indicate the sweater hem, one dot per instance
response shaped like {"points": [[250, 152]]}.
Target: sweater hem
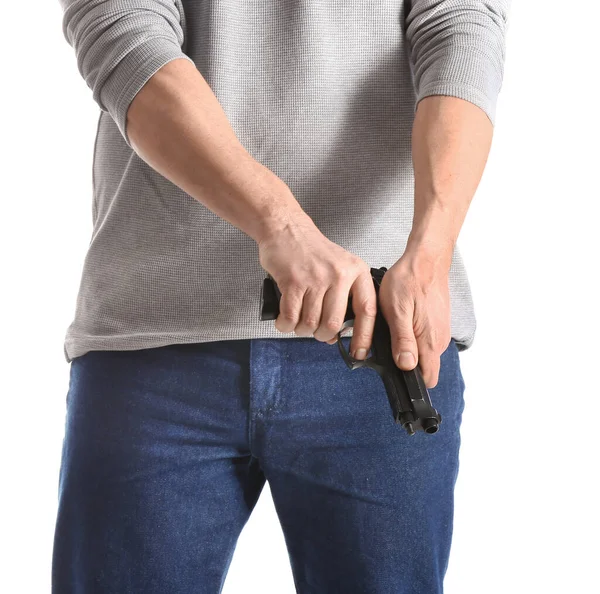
{"points": [[77, 346]]}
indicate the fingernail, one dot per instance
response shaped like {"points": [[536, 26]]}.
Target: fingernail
{"points": [[406, 359], [360, 353]]}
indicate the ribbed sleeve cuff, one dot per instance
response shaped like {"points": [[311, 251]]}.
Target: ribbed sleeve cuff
{"points": [[462, 91], [132, 73], [465, 73]]}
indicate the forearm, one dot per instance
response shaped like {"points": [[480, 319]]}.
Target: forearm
{"points": [[451, 140], [176, 124]]}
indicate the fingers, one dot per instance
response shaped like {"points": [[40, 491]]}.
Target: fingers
{"points": [[313, 313], [335, 304], [416, 337], [364, 306], [429, 364], [431, 345], [319, 309], [310, 318], [290, 307]]}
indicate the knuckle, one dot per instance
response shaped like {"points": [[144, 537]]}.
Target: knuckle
{"points": [[310, 321], [289, 312], [404, 342], [288, 315], [288, 280], [291, 304], [357, 263], [318, 278], [362, 266], [293, 287], [368, 308], [337, 275], [333, 324]]}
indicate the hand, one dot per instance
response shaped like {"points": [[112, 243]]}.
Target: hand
{"points": [[315, 277], [414, 298]]}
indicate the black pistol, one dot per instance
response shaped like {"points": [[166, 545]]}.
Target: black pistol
{"points": [[406, 390]]}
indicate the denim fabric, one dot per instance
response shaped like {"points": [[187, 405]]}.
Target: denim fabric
{"points": [[167, 450]]}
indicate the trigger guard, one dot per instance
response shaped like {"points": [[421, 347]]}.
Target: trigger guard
{"points": [[350, 361]]}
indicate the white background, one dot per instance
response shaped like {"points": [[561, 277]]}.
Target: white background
{"points": [[527, 495]]}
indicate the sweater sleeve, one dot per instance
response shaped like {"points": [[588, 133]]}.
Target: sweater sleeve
{"points": [[120, 44], [457, 48]]}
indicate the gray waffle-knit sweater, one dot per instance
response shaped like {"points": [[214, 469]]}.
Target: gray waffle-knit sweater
{"points": [[322, 92]]}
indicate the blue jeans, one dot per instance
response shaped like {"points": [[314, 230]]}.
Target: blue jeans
{"points": [[167, 450]]}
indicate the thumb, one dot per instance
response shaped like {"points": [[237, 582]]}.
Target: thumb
{"points": [[404, 343]]}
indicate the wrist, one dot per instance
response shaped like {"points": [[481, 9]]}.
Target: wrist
{"points": [[264, 203], [429, 252], [434, 232], [278, 210], [283, 221]]}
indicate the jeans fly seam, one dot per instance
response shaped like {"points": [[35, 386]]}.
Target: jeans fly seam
{"points": [[250, 426]]}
